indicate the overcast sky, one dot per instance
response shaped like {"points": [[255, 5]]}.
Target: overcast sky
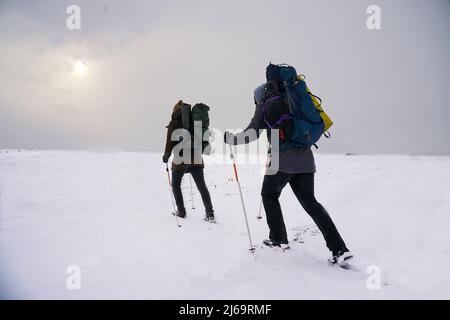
{"points": [[386, 90]]}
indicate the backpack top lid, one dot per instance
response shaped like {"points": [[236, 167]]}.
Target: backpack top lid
{"points": [[200, 106], [176, 112], [200, 113], [281, 73]]}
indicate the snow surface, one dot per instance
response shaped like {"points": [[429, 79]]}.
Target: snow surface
{"points": [[109, 213]]}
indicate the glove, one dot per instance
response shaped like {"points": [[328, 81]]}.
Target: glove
{"points": [[228, 138], [166, 158]]}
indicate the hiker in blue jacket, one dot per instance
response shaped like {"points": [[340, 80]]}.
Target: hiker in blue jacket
{"points": [[297, 167]]}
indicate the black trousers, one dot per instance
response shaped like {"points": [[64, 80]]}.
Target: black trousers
{"points": [[303, 186], [199, 179]]}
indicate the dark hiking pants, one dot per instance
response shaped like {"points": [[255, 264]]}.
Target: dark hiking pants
{"points": [[303, 186], [199, 179]]}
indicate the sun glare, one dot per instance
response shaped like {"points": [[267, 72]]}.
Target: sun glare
{"points": [[79, 68]]}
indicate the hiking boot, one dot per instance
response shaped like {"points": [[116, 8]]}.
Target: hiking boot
{"points": [[340, 257], [272, 244], [180, 214], [209, 217]]}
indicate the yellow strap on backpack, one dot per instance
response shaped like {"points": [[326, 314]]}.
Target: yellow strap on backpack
{"points": [[318, 104]]}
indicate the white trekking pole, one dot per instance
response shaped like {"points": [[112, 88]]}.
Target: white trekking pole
{"points": [[252, 249], [259, 217], [192, 193], [171, 196]]}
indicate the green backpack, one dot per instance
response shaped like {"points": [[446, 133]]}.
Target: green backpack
{"points": [[198, 113]]}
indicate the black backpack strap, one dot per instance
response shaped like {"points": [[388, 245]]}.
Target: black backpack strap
{"points": [[288, 95], [318, 98]]}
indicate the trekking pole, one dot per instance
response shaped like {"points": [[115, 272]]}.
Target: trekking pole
{"points": [[1, 206], [192, 193], [171, 197], [259, 217], [252, 249]]}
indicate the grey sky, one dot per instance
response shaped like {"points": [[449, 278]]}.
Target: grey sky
{"points": [[387, 91]]}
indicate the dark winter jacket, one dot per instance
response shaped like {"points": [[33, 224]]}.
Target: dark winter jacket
{"points": [[176, 123], [294, 160]]}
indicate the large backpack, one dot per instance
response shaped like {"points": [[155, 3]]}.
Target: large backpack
{"points": [[292, 108], [198, 113]]}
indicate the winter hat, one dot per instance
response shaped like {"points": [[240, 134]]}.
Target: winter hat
{"points": [[259, 93]]}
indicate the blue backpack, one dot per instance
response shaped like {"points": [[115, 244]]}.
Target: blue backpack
{"points": [[307, 123]]}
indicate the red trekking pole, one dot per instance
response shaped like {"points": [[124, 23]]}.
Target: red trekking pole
{"points": [[252, 249]]}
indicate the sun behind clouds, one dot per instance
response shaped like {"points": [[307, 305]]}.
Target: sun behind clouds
{"points": [[80, 68]]}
